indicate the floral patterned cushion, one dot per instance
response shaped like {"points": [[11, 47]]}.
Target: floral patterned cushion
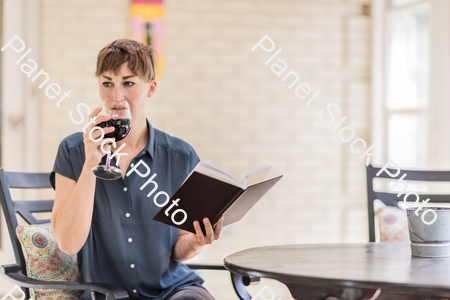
{"points": [[46, 262], [392, 224]]}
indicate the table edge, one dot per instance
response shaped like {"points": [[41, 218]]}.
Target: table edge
{"points": [[321, 282]]}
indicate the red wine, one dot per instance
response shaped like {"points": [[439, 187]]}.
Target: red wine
{"points": [[122, 127]]}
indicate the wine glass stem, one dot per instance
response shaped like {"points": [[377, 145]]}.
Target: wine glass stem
{"points": [[108, 156]]}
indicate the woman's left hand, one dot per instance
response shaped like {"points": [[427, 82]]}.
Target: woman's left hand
{"points": [[199, 240]]}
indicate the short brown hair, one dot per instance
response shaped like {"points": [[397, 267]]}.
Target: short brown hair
{"points": [[141, 59]]}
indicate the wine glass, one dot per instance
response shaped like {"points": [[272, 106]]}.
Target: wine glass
{"points": [[119, 110]]}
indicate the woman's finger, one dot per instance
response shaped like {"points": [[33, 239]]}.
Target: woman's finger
{"points": [[97, 133], [91, 116], [96, 136], [97, 121], [218, 228], [209, 231], [199, 234], [95, 112]]}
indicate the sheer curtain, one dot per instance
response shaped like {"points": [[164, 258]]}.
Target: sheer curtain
{"points": [[406, 81]]}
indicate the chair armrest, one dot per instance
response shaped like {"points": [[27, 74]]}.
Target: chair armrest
{"points": [[206, 267], [101, 290], [239, 281]]}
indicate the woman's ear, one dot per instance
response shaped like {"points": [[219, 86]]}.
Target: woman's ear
{"points": [[152, 88]]}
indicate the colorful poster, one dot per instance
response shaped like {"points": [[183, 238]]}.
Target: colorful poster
{"points": [[147, 25]]}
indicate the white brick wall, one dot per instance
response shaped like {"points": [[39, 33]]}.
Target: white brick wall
{"points": [[221, 98]]}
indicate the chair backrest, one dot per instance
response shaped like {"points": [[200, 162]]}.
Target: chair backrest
{"points": [[391, 199], [25, 209]]}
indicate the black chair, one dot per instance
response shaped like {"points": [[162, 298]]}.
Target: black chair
{"points": [[391, 199], [16, 273]]}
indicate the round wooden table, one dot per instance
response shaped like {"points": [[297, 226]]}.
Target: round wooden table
{"points": [[347, 271]]}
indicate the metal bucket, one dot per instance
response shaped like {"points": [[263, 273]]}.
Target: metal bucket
{"points": [[429, 240]]}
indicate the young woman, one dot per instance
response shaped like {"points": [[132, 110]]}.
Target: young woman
{"points": [[108, 224]]}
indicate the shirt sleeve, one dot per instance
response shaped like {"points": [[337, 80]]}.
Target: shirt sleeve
{"points": [[194, 159], [63, 163]]}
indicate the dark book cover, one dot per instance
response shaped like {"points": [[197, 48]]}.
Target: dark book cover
{"points": [[202, 196]]}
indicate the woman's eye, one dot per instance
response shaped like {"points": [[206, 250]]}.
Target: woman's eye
{"points": [[128, 83], [106, 84]]}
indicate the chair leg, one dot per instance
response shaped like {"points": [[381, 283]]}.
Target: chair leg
{"points": [[239, 286], [97, 296]]}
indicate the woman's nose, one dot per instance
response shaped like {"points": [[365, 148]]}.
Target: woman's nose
{"points": [[118, 93]]}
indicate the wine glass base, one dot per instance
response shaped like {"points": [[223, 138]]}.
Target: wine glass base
{"points": [[107, 173]]}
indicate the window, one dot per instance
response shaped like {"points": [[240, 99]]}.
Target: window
{"points": [[410, 50], [407, 65]]}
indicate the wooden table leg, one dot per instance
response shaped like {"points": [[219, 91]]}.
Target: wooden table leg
{"points": [[300, 292]]}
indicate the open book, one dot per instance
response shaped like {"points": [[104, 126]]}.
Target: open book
{"points": [[209, 192]]}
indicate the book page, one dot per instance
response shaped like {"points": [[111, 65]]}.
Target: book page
{"points": [[214, 172], [256, 176]]}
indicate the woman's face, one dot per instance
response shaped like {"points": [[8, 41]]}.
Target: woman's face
{"points": [[127, 85]]}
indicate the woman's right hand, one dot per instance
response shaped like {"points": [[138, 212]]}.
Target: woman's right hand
{"points": [[92, 150]]}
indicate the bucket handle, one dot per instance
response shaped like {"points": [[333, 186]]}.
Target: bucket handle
{"points": [[409, 226]]}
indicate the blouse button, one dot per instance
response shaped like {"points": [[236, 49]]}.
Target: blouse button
{"points": [[130, 240], [132, 165], [132, 266], [134, 291], [127, 215], [125, 189]]}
